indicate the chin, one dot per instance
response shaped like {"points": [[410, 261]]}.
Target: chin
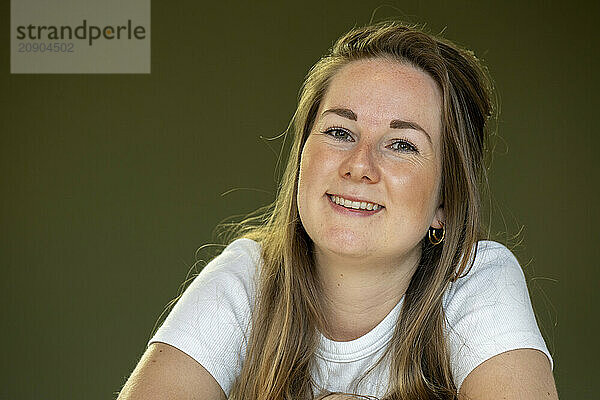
{"points": [[348, 245]]}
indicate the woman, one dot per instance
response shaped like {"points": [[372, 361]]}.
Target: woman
{"points": [[368, 275]]}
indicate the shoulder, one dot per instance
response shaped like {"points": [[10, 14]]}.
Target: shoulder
{"points": [[488, 310], [494, 267], [223, 292], [492, 256], [238, 254], [237, 262], [210, 320], [231, 274], [494, 283]]}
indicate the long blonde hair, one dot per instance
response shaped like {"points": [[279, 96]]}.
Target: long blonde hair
{"points": [[288, 312]]}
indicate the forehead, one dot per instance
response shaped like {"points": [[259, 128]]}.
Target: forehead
{"points": [[379, 90]]}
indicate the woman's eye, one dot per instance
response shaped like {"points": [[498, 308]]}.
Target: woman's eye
{"points": [[404, 146], [338, 134]]}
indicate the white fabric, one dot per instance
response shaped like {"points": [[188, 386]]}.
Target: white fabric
{"points": [[488, 312]]}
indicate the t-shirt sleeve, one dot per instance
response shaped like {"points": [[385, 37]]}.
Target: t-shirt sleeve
{"points": [[489, 311], [210, 322]]}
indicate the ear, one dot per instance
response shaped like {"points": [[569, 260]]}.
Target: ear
{"points": [[439, 218]]}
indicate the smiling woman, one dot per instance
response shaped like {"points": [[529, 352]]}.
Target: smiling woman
{"points": [[366, 152], [369, 275]]}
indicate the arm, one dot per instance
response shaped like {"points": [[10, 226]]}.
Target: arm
{"points": [[165, 372], [198, 351], [493, 334], [522, 374]]}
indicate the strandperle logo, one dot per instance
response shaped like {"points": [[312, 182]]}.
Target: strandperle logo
{"points": [[80, 36], [83, 32]]}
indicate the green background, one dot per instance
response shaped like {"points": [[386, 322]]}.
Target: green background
{"points": [[111, 182]]}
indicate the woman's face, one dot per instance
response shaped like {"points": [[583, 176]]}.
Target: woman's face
{"points": [[375, 147]]}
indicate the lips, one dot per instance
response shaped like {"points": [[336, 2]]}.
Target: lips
{"points": [[353, 203]]}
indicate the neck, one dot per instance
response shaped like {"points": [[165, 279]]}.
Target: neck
{"points": [[360, 292]]}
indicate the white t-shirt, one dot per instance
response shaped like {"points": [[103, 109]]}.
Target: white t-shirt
{"points": [[488, 312]]}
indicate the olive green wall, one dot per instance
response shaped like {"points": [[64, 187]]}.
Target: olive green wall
{"points": [[111, 182]]}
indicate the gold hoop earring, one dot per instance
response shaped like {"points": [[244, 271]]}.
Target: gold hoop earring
{"points": [[432, 233]]}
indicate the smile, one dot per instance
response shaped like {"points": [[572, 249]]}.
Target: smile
{"points": [[354, 204]]}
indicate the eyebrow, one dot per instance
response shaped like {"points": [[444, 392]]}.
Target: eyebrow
{"points": [[394, 124]]}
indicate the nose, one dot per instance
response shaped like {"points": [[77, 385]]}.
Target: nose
{"points": [[359, 165]]}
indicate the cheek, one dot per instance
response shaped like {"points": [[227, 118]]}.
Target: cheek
{"points": [[309, 187], [414, 190], [315, 167], [306, 178]]}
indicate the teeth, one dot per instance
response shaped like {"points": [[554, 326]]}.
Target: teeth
{"points": [[357, 205]]}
